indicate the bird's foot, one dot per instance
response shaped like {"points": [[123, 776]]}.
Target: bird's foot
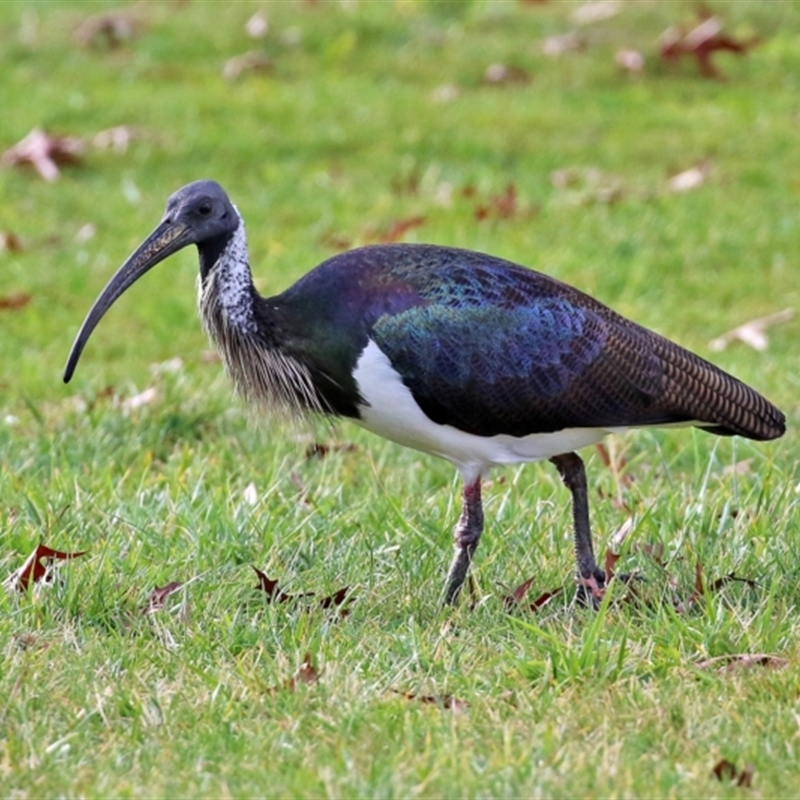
{"points": [[591, 588]]}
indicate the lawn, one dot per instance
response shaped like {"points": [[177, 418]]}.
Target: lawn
{"points": [[505, 127]]}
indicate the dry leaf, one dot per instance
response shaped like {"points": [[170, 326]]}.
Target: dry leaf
{"points": [[253, 61], [596, 11], [630, 60], [446, 701], [10, 241], [159, 595], [110, 30], [116, 139], [257, 26], [138, 400], [515, 598], [12, 302], [724, 770], [320, 450], [503, 74], [250, 494], [752, 332], [501, 206], [743, 661], [689, 179], [37, 567], [44, 152], [399, 228], [565, 43], [700, 43]]}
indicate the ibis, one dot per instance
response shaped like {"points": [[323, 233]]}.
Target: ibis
{"points": [[448, 351]]}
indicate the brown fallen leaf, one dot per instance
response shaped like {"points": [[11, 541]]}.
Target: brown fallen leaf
{"points": [[516, 597], [700, 43], [397, 229], [320, 450], [595, 11], [252, 61], [37, 567], [257, 26], [10, 242], [159, 595], [742, 661], [306, 674], [752, 333], [446, 701], [12, 302], [724, 770], [555, 46], [138, 400], [731, 577], [44, 153], [629, 60], [336, 599], [109, 30], [689, 179], [271, 589], [501, 206], [505, 75]]}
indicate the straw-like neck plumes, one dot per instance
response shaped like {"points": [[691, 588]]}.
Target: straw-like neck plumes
{"points": [[249, 338]]}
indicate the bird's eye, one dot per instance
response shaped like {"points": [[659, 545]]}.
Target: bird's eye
{"points": [[204, 210]]}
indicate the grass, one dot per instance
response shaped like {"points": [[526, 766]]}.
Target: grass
{"points": [[347, 133]]}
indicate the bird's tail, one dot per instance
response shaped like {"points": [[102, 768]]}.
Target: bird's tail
{"points": [[717, 401]]}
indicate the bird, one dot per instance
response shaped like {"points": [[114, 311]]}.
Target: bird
{"points": [[448, 351]]}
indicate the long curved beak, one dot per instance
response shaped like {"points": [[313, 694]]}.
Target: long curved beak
{"points": [[166, 239]]}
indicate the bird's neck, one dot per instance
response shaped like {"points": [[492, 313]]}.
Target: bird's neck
{"points": [[227, 283], [247, 333]]}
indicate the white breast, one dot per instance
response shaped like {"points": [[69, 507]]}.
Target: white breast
{"points": [[393, 413]]}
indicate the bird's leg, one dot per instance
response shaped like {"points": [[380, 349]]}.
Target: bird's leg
{"points": [[467, 533], [591, 579]]}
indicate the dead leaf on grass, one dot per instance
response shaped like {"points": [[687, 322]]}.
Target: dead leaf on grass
{"points": [[700, 43], [252, 61], [752, 333], [275, 594], [12, 302], [320, 450], [500, 206], [159, 595], [109, 30], [724, 771], [37, 567], [116, 139], [257, 26], [742, 661], [556, 46], [306, 674], [516, 597], [446, 701], [596, 11], [397, 229], [505, 75], [10, 242], [44, 152], [689, 179], [629, 60]]}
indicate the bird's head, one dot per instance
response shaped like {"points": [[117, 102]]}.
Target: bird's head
{"points": [[200, 214]]}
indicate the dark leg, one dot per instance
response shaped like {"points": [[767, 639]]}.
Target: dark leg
{"points": [[591, 579], [467, 533]]}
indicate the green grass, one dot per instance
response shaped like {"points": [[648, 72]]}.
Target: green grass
{"points": [[343, 136]]}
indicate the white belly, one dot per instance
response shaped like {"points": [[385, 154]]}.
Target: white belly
{"points": [[393, 413]]}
